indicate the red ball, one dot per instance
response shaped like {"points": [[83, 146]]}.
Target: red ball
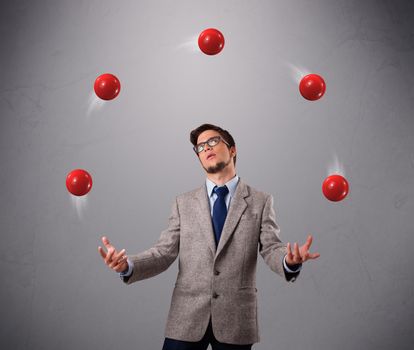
{"points": [[107, 86], [335, 188], [312, 87], [211, 41], [79, 182]]}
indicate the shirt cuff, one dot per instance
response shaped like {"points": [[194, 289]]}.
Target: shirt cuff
{"points": [[294, 270], [130, 268]]}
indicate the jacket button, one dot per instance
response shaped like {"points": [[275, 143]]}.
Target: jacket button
{"points": [[216, 272], [215, 295]]}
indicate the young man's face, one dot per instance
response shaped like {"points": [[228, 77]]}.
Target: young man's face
{"points": [[215, 159]]}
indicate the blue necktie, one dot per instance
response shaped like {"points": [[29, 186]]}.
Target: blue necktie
{"points": [[219, 211]]}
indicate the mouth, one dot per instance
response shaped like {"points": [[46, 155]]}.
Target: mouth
{"points": [[211, 156]]}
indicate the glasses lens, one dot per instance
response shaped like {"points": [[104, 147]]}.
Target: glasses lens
{"points": [[213, 141]]}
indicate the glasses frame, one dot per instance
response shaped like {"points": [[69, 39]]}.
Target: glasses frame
{"points": [[203, 144]]}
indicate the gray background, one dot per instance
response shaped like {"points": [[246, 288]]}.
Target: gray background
{"points": [[56, 291]]}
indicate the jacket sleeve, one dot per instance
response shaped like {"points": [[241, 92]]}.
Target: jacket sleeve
{"points": [[158, 258], [271, 247]]}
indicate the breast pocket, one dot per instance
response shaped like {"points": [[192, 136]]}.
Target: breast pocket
{"points": [[249, 221], [249, 217], [249, 227]]}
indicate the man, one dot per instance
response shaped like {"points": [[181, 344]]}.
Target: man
{"points": [[216, 230]]}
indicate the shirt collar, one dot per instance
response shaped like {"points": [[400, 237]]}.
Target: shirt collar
{"points": [[231, 185]]}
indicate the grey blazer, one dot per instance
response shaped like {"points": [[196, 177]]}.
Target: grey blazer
{"points": [[221, 282]]}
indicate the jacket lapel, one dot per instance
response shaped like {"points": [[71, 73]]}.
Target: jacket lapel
{"points": [[204, 217]]}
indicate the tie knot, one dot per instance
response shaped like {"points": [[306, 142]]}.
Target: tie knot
{"points": [[221, 191]]}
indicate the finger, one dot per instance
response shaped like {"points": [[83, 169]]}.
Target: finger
{"points": [[314, 255], [121, 267], [106, 242], [289, 251], [309, 241], [117, 257], [118, 263], [109, 255], [103, 254], [296, 254]]}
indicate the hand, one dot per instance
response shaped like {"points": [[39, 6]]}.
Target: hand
{"points": [[115, 260], [301, 254]]}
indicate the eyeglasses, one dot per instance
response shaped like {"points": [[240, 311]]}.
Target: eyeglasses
{"points": [[212, 141]]}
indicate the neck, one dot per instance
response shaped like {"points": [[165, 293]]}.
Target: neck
{"points": [[223, 176]]}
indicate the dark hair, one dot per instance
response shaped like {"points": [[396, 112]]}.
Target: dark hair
{"points": [[223, 133]]}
